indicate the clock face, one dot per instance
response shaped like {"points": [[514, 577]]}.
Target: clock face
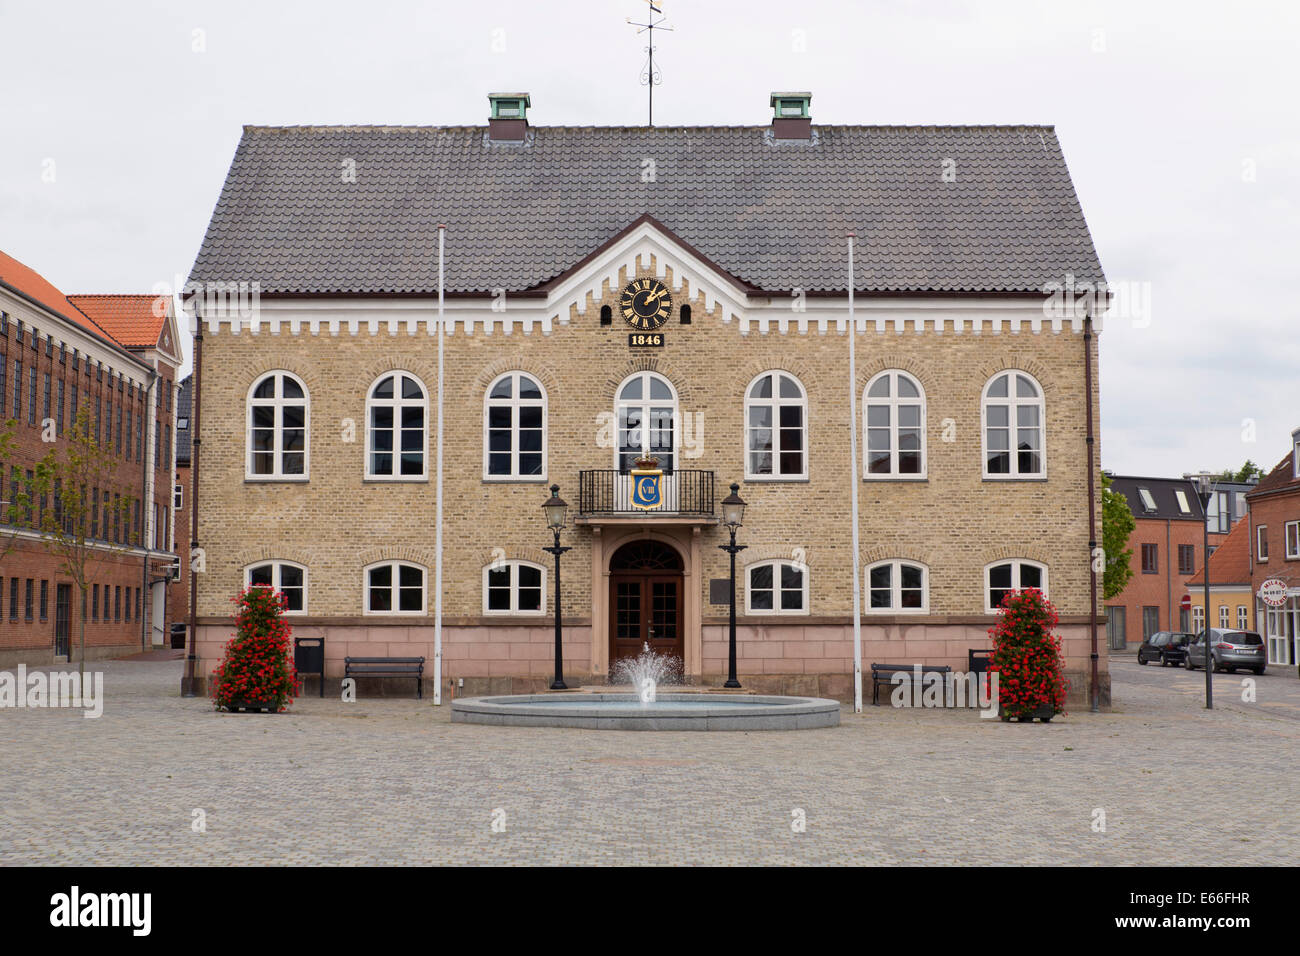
{"points": [[645, 303]]}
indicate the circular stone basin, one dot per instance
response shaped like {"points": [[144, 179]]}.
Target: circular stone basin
{"points": [[668, 712]]}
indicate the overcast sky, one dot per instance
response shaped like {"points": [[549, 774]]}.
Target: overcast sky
{"points": [[1178, 120]]}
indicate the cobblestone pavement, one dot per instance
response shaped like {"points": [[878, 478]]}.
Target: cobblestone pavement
{"points": [[394, 781]]}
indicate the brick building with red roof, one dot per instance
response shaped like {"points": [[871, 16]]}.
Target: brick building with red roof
{"points": [[115, 356], [1274, 555]]}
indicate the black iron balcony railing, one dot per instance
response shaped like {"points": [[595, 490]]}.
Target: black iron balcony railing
{"points": [[609, 492]]}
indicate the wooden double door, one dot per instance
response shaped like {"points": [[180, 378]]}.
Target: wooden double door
{"points": [[645, 601]]}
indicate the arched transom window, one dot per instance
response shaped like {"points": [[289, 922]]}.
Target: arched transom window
{"points": [[397, 440], [895, 426], [1002, 578], [277, 427], [514, 425], [647, 413], [776, 427], [286, 577], [896, 587], [1013, 426]]}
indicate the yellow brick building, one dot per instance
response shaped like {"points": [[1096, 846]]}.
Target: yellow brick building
{"points": [[673, 292]]}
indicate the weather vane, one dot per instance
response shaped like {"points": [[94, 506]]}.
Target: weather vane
{"points": [[650, 75]]}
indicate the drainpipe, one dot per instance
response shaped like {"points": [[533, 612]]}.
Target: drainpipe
{"points": [[146, 602], [191, 660], [1092, 508], [1169, 570]]}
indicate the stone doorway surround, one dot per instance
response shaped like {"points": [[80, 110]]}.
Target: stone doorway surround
{"points": [[606, 538]]}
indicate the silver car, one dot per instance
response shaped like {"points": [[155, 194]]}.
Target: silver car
{"points": [[1228, 650]]}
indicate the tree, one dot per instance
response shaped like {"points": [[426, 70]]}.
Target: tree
{"points": [[1248, 472], [84, 527], [1117, 523]]}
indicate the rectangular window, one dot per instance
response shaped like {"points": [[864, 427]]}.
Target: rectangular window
{"points": [[1293, 539], [117, 444], [27, 606], [177, 497], [139, 438], [13, 599], [48, 395], [99, 417], [74, 406], [58, 412], [4, 396], [1198, 618], [117, 603], [1148, 501], [94, 602], [1150, 558], [1243, 618], [31, 395], [1187, 559], [1183, 506], [1150, 621], [1261, 543], [1225, 616], [45, 600], [18, 388]]}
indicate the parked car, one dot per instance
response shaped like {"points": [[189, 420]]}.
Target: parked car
{"points": [[1167, 647], [1228, 651]]}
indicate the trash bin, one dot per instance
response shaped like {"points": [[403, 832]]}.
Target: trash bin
{"points": [[309, 658], [180, 632]]}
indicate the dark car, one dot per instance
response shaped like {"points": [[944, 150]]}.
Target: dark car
{"points": [[1228, 651], [1167, 647]]}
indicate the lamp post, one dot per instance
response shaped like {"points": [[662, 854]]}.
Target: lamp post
{"points": [[555, 508], [733, 513], [1205, 487]]}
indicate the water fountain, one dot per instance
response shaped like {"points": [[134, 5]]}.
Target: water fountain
{"points": [[647, 707]]}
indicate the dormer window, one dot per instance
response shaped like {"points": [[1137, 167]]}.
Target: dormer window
{"points": [[790, 105], [1183, 506], [1148, 501], [507, 108]]}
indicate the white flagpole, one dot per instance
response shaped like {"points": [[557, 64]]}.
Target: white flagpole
{"points": [[437, 574], [853, 483]]}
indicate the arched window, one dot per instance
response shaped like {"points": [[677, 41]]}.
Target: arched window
{"points": [[776, 587], [277, 428], [776, 427], [646, 410], [1012, 413], [286, 577], [397, 439], [394, 587], [894, 426], [1017, 574], [514, 587], [514, 429], [897, 587]]}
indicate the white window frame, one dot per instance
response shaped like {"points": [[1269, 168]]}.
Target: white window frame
{"points": [[1183, 505], [1291, 534], [515, 403], [1243, 618], [776, 610], [893, 403], [1261, 543], [178, 497], [1225, 616], [1148, 499], [1198, 619], [896, 587], [276, 564], [513, 610], [278, 451], [1013, 403], [775, 403], [1016, 564], [644, 404], [397, 403], [395, 612]]}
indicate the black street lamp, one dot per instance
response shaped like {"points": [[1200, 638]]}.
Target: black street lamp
{"points": [[1205, 486], [733, 511], [555, 508]]}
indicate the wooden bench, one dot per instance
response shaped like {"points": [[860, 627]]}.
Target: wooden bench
{"points": [[387, 667], [884, 674]]}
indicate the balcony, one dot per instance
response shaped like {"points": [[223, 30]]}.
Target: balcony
{"points": [[607, 493]]}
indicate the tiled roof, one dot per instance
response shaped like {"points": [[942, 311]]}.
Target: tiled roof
{"points": [[184, 404], [1281, 478], [1162, 495], [1230, 563], [28, 282], [134, 320], [773, 214]]}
